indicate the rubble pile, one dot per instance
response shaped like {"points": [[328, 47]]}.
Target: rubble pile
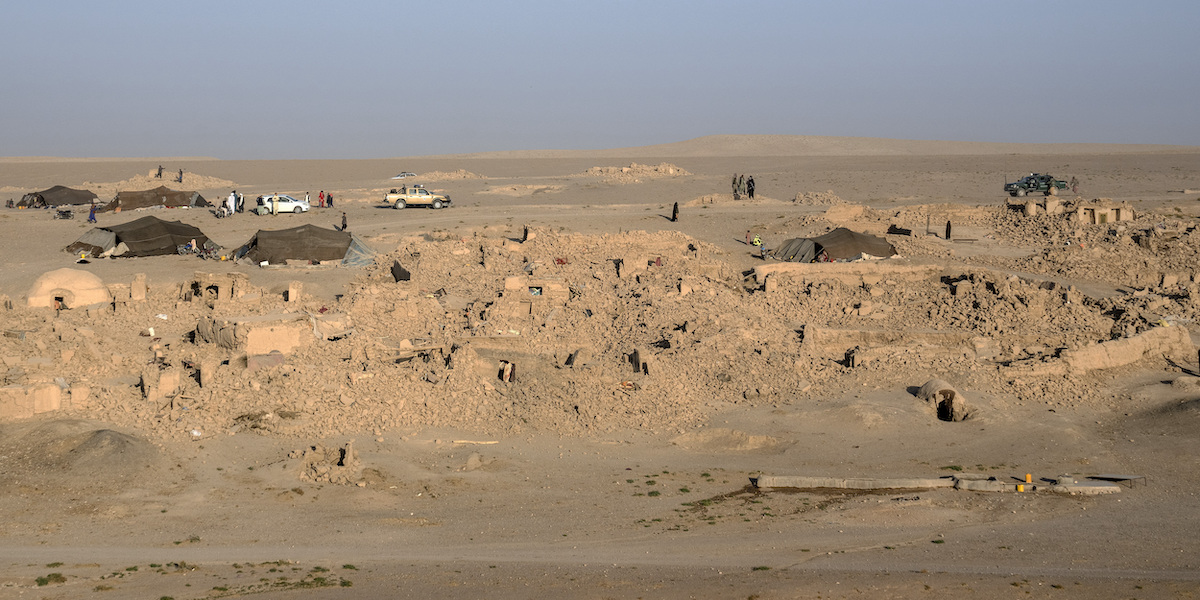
{"points": [[449, 175], [825, 198], [636, 173], [191, 181], [582, 334], [320, 464]]}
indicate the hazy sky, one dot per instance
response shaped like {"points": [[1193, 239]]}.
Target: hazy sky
{"points": [[300, 79]]}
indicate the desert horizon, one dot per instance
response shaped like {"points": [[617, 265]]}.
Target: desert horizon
{"points": [[735, 145]]}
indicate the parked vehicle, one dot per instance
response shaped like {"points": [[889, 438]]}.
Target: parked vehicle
{"points": [[415, 195], [404, 175], [265, 205], [1035, 182]]}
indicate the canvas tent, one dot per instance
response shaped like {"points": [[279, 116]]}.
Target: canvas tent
{"points": [[59, 196], [159, 196], [839, 244], [306, 243], [147, 236]]}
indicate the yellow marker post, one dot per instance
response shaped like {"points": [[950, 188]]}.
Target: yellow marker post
{"points": [[1020, 487], [1028, 478]]}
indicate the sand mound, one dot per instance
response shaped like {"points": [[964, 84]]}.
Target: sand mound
{"points": [[721, 439], [75, 449], [635, 173], [517, 191], [726, 199], [818, 198], [708, 199], [191, 182], [449, 176]]}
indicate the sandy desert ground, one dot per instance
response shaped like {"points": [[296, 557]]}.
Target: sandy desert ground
{"points": [[592, 480]]}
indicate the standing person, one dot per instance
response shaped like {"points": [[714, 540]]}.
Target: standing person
{"points": [[947, 230], [181, 176], [92, 214], [306, 200], [329, 199], [675, 213], [1074, 185], [750, 187], [321, 199], [734, 186], [742, 185], [343, 221], [231, 203], [159, 175]]}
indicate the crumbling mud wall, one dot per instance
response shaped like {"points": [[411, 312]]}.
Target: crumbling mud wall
{"points": [[561, 332], [1160, 341]]}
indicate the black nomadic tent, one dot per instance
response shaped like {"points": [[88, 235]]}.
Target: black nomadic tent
{"points": [[147, 236], [159, 196], [839, 244], [59, 196], [306, 243]]}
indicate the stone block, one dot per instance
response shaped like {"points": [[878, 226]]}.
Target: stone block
{"points": [[579, 358], [169, 381], [96, 310], [80, 395], [208, 372], [45, 397], [15, 402], [258, 334], [256, 362], [631, 266], [137, 289]]}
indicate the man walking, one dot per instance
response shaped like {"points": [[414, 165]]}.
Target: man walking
{"points": [[343, 221]]}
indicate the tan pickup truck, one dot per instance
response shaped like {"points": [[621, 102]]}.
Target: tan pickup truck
{"points": [[415, 195]]}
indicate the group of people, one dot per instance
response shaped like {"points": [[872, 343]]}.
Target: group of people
{"points": [[323, 200], [234, 203], [178, 178], [743, 186]]}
